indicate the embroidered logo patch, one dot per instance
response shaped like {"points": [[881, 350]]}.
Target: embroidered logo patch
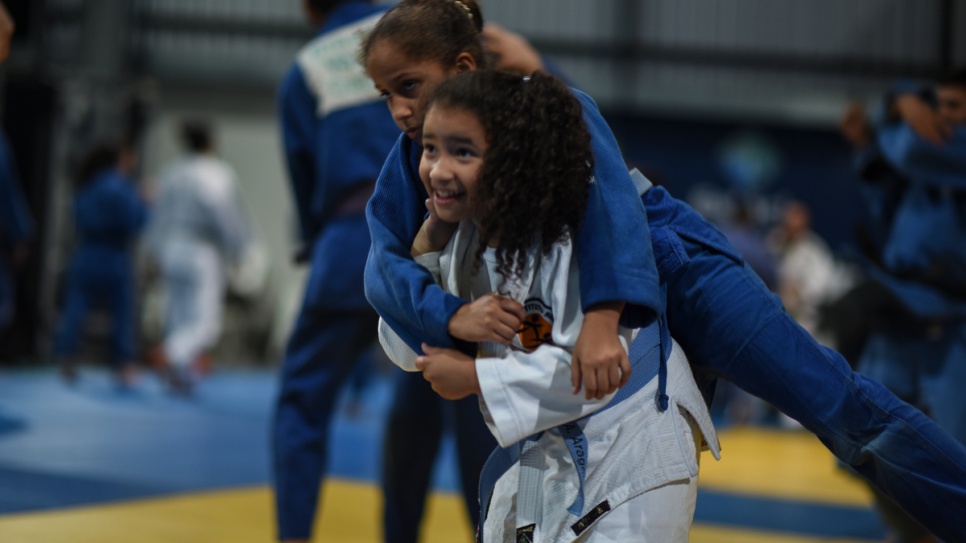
{"points": [[587, 520], [537, 327], [525, 533]]}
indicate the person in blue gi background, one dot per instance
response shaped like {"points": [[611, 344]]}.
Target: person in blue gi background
{"points": [[109, 213], [335, 138], [16, 230], [912, 162], [721, 313], [16, 222], [337, 134]]}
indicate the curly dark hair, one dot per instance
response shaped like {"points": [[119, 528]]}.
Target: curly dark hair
{"points": [[431, 30], [534, 182]]}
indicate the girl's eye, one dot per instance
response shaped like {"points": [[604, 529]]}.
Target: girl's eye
{"points": [[384, 95], [429, 149], [464, 153], [408, 88]]}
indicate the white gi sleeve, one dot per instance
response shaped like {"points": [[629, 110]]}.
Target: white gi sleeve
{"points": [[396, 349], [527, 392]]}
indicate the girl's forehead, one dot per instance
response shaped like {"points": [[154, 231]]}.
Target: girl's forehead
{"points": [[385, 56]]}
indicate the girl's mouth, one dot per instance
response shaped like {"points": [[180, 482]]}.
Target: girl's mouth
{"points": [[444, 197]]}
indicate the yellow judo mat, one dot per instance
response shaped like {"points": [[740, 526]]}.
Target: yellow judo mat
{"points": [[763, 465]]}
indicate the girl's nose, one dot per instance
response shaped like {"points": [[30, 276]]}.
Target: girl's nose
{"points": [[440, 172], [401, 110]]}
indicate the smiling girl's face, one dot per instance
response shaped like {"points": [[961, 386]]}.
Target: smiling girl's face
{"points": [[454, 143], [404, 82]]}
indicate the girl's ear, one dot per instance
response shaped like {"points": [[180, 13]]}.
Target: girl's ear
{"points": [[465, 62]]}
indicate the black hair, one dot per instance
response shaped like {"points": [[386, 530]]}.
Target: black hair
{"points": [[536, 173], [98, 158], [953, 78], [196, 136], [323, 7], [431, 30]]}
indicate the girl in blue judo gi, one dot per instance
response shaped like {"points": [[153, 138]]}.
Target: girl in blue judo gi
{"points": [[108, 216], [16, 230], [509, 160], [637, 248]]}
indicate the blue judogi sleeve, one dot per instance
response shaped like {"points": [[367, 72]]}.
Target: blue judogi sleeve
{"points": [[16, 224], [925, 162], [614, 249], [294, 99]]}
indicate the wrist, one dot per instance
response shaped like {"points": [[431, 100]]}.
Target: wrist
{"points": [[604, 314], [422, 244], [473, 379]]}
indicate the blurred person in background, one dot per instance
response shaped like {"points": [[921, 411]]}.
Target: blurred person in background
{"points": [[911, 160], [16, 222], [805, 265], [109, 214], [16, 231], [336, 135], [746, 234], [197, 229]]}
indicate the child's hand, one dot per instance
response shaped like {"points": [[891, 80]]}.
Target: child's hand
{"points": [[434, 234], [513, 53], [600, 361], [452, 373], [923, 119], [489, 318]]}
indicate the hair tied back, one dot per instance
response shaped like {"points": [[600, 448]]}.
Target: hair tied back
{"points": [[469, 12]]}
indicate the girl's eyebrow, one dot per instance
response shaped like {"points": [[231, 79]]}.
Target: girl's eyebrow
{"points": [[402, 75], [464, 140]]}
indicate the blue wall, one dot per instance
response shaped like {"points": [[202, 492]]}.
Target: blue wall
{"points": [[815, 165]]}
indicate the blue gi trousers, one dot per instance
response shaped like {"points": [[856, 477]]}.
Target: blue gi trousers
{"points": [[7, 293], [99, 276], [413, 433], [320, 355], [732, 327]]}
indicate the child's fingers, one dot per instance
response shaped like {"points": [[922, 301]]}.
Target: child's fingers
{"points": [[625, 367], [613, 379], [429, 351], [575, 376], [512, 307], [590, 384]]}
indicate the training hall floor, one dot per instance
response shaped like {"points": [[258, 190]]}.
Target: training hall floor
{"points": [[96, 464]]}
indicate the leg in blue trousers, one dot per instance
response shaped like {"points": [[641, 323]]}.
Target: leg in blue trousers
{"points": [[319, 357], [732, 327], [414, 429]]}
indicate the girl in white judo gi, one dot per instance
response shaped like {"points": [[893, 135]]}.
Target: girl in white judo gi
{"points": [[507, 162]]}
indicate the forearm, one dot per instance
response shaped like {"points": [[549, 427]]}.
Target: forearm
{"points": [[525, 394], [614, 246], [403, 292]]}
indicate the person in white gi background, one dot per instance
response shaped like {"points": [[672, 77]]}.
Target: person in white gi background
{"points": [[198, 228]]}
